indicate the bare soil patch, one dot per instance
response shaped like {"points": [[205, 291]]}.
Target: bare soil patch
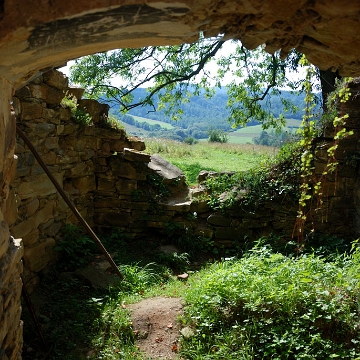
{"points": [[156, 326]]}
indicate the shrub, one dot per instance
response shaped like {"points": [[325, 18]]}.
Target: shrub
{"points": [[216, 135], [75, 246], [190, 140]]}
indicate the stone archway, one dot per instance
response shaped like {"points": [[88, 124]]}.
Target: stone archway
{"points": [[34, 38]]}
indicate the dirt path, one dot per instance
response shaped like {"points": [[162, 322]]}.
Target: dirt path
{"points": [[156, 326]]}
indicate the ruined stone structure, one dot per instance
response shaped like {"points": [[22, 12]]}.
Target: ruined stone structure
{"points": [[116, 186], [34, 38]]}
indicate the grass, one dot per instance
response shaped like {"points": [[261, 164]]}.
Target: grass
{"points": [[208, 156], [164, 125], [269, 306], [264, 305], [245, 135]]}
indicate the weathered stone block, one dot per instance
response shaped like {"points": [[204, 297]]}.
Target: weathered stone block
{"points": [[23, 93], [166, 170], [52, 116], [125, 186], [64, 114], [124, 169], [60, 129], [138, 205], [133, 155], [56, 79], [219, 220], [230, 233], [52, 143], [107, 203], [84, 184], [32, 207], [70, 129], [76, 91], [156, 224], [31, 238], [11, 210], [117, 145], [4, 239], [39, 256], [53, 229], [94, 108], [39, 186], [83, 168], [199, 207], [31, 111], [204, 232], [51, 95], [50, 158], [41, 130], [139, 215], [112, 218], [105, 185], [159, 218], [136, 143], [28, 226], [181, 207]]}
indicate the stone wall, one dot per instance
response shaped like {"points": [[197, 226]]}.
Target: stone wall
{"points": [[11, 250], [72, 152], [34, 38], [115, 185]]}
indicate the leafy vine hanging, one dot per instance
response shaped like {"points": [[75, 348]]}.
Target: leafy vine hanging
{"points": [[312, 186]]}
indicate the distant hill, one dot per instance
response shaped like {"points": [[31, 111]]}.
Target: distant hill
{"points": [[199, 115]]}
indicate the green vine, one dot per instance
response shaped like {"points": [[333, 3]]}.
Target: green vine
{"points": [[312, 186]]}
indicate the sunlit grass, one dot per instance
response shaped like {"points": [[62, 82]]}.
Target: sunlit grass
{"points": [[209, 156]]}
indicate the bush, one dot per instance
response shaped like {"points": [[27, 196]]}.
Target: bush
{"points": [[217, 135], [190, 140]]}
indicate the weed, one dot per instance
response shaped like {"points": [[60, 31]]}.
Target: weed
{"points": [[79, 115], [177, 262], [267, 305], [110, 122], [276, 179], [75, 247]]}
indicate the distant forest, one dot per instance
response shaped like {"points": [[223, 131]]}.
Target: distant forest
{"points": [[200, 115]]}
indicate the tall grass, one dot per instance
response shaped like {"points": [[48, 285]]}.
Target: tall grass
{"points": [[264, 305], [269, 306], [208, 156]]}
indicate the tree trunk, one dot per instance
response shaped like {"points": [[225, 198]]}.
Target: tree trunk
{"points": [[328, 80]]}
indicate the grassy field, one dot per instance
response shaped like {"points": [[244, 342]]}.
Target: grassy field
{"points": [[245, 135], [208, 156], [240, 136], [153, 122]]}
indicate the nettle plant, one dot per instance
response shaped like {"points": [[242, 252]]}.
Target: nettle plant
{"points": [[312, 185]]}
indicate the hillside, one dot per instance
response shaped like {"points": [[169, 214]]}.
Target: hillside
{"points": [[199, 115]]}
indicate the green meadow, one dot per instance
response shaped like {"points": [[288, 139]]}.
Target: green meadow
{"points": [[209, 156]]}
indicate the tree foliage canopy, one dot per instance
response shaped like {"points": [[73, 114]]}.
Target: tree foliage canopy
{"points": [[175, 73]]}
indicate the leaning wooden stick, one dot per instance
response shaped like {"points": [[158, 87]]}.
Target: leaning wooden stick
{"points": [[68, 202]]}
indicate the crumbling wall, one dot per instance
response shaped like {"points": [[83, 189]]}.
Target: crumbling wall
{"points": [[11, 250], [73, 153], [114, 185]]}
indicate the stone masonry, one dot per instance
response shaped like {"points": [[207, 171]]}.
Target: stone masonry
{"points": [[115, 185], [36, 38]]}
